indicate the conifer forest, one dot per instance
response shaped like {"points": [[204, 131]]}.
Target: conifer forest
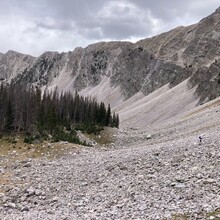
{"points": [[40, 114]]}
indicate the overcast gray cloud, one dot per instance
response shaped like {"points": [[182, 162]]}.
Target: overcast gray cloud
{"points": [[35, 26]]}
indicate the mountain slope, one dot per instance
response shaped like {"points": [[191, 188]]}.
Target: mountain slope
{"points": [[127, 66], [13, 63], [114, 72], [193, 46], [157, 167]]}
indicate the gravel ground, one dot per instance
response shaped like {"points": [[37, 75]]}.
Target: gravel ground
{"points": [[162, 172]]}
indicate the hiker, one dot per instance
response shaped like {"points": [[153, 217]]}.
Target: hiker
{"points": [[200, 139]]}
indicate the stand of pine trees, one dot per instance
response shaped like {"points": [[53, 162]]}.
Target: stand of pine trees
{"points": [[28, 111]]}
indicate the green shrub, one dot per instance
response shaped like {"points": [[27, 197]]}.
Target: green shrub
{"points": [[13, 141], [61, 135], [89, 128], [28, 139]]}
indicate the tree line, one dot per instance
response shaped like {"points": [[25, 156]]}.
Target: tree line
{"points": [[28, 110]]}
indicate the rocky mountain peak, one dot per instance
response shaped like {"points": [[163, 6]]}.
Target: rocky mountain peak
{"points": [[49, 53], [217, 10], [13, 63], [12, 52]]}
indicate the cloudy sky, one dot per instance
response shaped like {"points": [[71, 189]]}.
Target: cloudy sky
{"points": [[35, 26]]}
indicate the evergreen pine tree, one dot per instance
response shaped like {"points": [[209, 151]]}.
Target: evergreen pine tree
{"points": [[9, 116], [108, 116], [117, 121]]}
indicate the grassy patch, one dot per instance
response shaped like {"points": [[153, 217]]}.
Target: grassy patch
{"points": [[214, 214], [202, 215], [180, 217], [15, 153], [22, 151], [106, 136]]}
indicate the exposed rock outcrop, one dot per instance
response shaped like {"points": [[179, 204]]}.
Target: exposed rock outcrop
{"points": [[193, 46], [131, 68], [207, 80], [13, 63]]}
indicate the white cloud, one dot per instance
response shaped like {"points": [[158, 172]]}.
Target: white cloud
{"points": [[36, 26], [19, 34], [119, 20]]}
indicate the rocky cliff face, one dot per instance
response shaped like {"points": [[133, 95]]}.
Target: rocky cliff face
{"points": [[13, 63], [126, 65], [193, 46], [107, 70], [207, 80]]}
